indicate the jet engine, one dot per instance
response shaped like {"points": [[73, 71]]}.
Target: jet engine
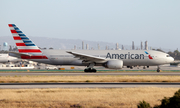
{"points": [[114, 64]]}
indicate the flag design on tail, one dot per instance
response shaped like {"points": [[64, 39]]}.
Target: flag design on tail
{"points": [[25, 45], [150, 57]]}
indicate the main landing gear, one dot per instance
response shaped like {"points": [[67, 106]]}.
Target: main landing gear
{"points": [[90, 68], [158, 69]]}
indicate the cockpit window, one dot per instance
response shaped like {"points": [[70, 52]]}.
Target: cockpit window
{"points": [[168, 56]]}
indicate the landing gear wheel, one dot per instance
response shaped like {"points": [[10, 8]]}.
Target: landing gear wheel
{"points": [[85, 70], [89, 70], [93, 70], [144, 67], [158, 70]]}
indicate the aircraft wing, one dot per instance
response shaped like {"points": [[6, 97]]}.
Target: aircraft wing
{"points": [[86, 57]]}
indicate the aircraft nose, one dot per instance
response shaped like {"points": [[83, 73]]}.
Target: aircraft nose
{"points": [[171, 59]]}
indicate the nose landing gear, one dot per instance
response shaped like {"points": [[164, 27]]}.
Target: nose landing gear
{"points": [[158, 69]]}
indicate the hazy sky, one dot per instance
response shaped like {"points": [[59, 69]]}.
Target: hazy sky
{"points": [[118, 21]]}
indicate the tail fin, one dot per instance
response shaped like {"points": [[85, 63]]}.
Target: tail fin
{"points": [[24, 44]]}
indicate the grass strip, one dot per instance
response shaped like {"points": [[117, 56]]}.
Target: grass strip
{"points": [[86, 97], [106, 78]]}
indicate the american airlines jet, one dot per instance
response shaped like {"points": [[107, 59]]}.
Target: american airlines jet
{"points": [[4, 58], [112, 59]]}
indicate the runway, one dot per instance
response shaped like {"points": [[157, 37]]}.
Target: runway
{"points": [[85, 85], [87, 74]]}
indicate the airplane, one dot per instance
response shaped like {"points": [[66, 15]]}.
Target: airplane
{"points": [[5, 58], [111, 59]]}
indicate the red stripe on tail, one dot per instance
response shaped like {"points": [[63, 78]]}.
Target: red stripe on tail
{"points": [[10, 25], [17, 38], [13, 31], [20, 44], [29, 50]]}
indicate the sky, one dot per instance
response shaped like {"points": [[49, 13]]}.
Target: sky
{"points": [[118, 21]]}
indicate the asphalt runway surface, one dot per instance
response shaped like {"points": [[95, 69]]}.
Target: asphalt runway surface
{"points": [[87, 74], [85, 85]]}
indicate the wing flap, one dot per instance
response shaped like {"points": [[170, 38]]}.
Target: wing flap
{"points": [[86, 57]]}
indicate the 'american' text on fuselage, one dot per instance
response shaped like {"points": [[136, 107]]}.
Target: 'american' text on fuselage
{"points": [[125, 56]]}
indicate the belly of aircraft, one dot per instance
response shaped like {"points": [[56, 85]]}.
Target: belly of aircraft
{"points": [[141, 62], [66, 61]]}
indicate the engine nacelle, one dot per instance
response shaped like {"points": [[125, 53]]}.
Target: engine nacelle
{"points": [[114, 64]]}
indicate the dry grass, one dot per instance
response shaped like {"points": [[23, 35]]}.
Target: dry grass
{"points": [[33, 79], [87, 98]]}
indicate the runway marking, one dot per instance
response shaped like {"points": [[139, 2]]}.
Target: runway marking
{"points": [[81, 74], [85, 85]]}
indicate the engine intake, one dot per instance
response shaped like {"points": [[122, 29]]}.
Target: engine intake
{"points": [[114, 64]]}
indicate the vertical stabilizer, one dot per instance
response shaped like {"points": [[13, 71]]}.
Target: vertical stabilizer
{"points": [[25, 45]]}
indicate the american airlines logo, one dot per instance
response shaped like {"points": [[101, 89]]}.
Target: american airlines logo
{"points": [[148, 55], [125, 56]]}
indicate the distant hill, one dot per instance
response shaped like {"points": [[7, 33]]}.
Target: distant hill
{"points": [[57, 43]]}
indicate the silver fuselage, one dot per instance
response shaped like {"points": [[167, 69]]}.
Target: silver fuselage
{"points": [[129, 57]]}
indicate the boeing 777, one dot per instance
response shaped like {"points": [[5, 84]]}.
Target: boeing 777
{"points": [[112, 59]]}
